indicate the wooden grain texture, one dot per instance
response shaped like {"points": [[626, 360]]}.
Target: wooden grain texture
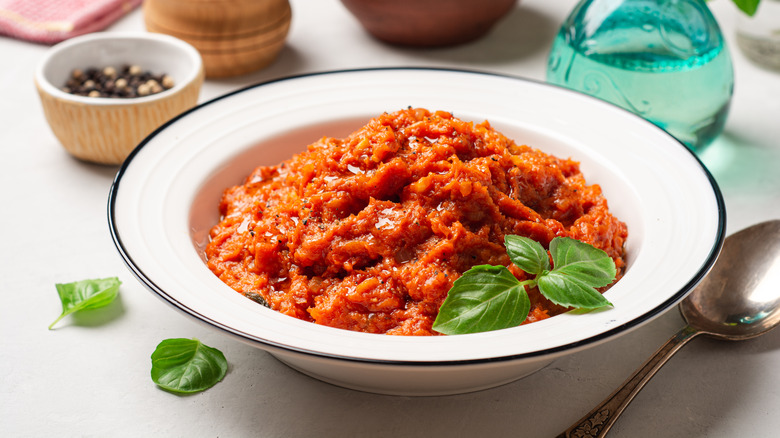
{"points": [[234, 37], [107, 133]]}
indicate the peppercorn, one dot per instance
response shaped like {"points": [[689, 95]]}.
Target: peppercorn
{"points": [[167, 82], [126, 82]]}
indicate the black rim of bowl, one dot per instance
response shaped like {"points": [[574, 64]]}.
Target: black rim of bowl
{"points": [[269, 344]]}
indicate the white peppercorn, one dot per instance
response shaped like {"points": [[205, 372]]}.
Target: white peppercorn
{"points": [[167, 82]]}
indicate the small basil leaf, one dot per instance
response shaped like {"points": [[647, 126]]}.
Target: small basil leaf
{"points": [[749, 7], [528, 254], [185, 366], [484, 298], [570, 292], [582, 261], [86, 294]]}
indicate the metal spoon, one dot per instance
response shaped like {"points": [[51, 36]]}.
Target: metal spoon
{"points": [[739, 299]]}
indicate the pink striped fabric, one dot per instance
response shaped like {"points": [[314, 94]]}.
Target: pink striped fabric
{"points": [[52, 21]]}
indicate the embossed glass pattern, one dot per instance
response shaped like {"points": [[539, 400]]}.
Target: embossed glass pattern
{"points": [[665, 60]]}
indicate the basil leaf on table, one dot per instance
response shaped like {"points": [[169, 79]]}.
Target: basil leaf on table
{"points": [[186, 366], [488, 297], [86, 294]]}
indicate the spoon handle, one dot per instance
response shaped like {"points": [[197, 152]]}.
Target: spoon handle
{"points": [[598, 421]]}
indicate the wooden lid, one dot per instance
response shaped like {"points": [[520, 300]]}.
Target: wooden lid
{"points": [[222, 18]]}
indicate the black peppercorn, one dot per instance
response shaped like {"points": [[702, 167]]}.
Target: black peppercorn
{"points": [[128, 81]]}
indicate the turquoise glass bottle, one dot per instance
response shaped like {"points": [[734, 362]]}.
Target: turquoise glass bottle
{"points": [[665, 60]]}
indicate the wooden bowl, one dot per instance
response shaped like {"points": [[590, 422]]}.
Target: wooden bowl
{"points": [[106, 130], [234, 37], [428, 23]]}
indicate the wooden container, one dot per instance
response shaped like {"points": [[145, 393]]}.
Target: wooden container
{"points": [[234, 37], [106, 130]]}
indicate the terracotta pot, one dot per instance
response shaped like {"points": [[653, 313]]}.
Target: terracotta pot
{"points": [[234, 37], [428, 23]]}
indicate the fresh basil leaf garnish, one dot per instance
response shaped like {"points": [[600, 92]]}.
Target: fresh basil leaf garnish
{"points": [[484, 298], [579, 269], [528, 254], [488, 297], [570, 292], [587, 263], [186, 366], [86, 294]]}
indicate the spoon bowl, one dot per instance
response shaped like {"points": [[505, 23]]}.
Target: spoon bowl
{"points": [[739, 299]]}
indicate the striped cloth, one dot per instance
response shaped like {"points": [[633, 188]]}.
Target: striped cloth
{"points": [[52, 21]]}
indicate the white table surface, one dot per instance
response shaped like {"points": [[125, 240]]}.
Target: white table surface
{"points": [[90, 376]]}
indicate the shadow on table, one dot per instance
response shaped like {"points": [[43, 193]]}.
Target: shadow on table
{"points": [[523, 33], [100, 316], [738, 162], [712, 388], [289, 62], [746, 172], [699, 391]]}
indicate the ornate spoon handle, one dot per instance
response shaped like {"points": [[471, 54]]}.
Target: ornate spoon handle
{"points": [[598, 421]]}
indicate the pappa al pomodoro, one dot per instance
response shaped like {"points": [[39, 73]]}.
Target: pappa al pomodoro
{"points": [[369, 232]]}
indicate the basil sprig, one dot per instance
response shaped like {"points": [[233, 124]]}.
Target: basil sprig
{"points": [[186, 366], [489, 298], [86, 294]]}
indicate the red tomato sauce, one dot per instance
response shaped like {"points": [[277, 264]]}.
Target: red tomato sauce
{"points": [[369, 232]]}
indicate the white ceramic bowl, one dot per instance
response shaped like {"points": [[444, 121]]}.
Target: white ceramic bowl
{"points": [[105, 130], [164, 200]]}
